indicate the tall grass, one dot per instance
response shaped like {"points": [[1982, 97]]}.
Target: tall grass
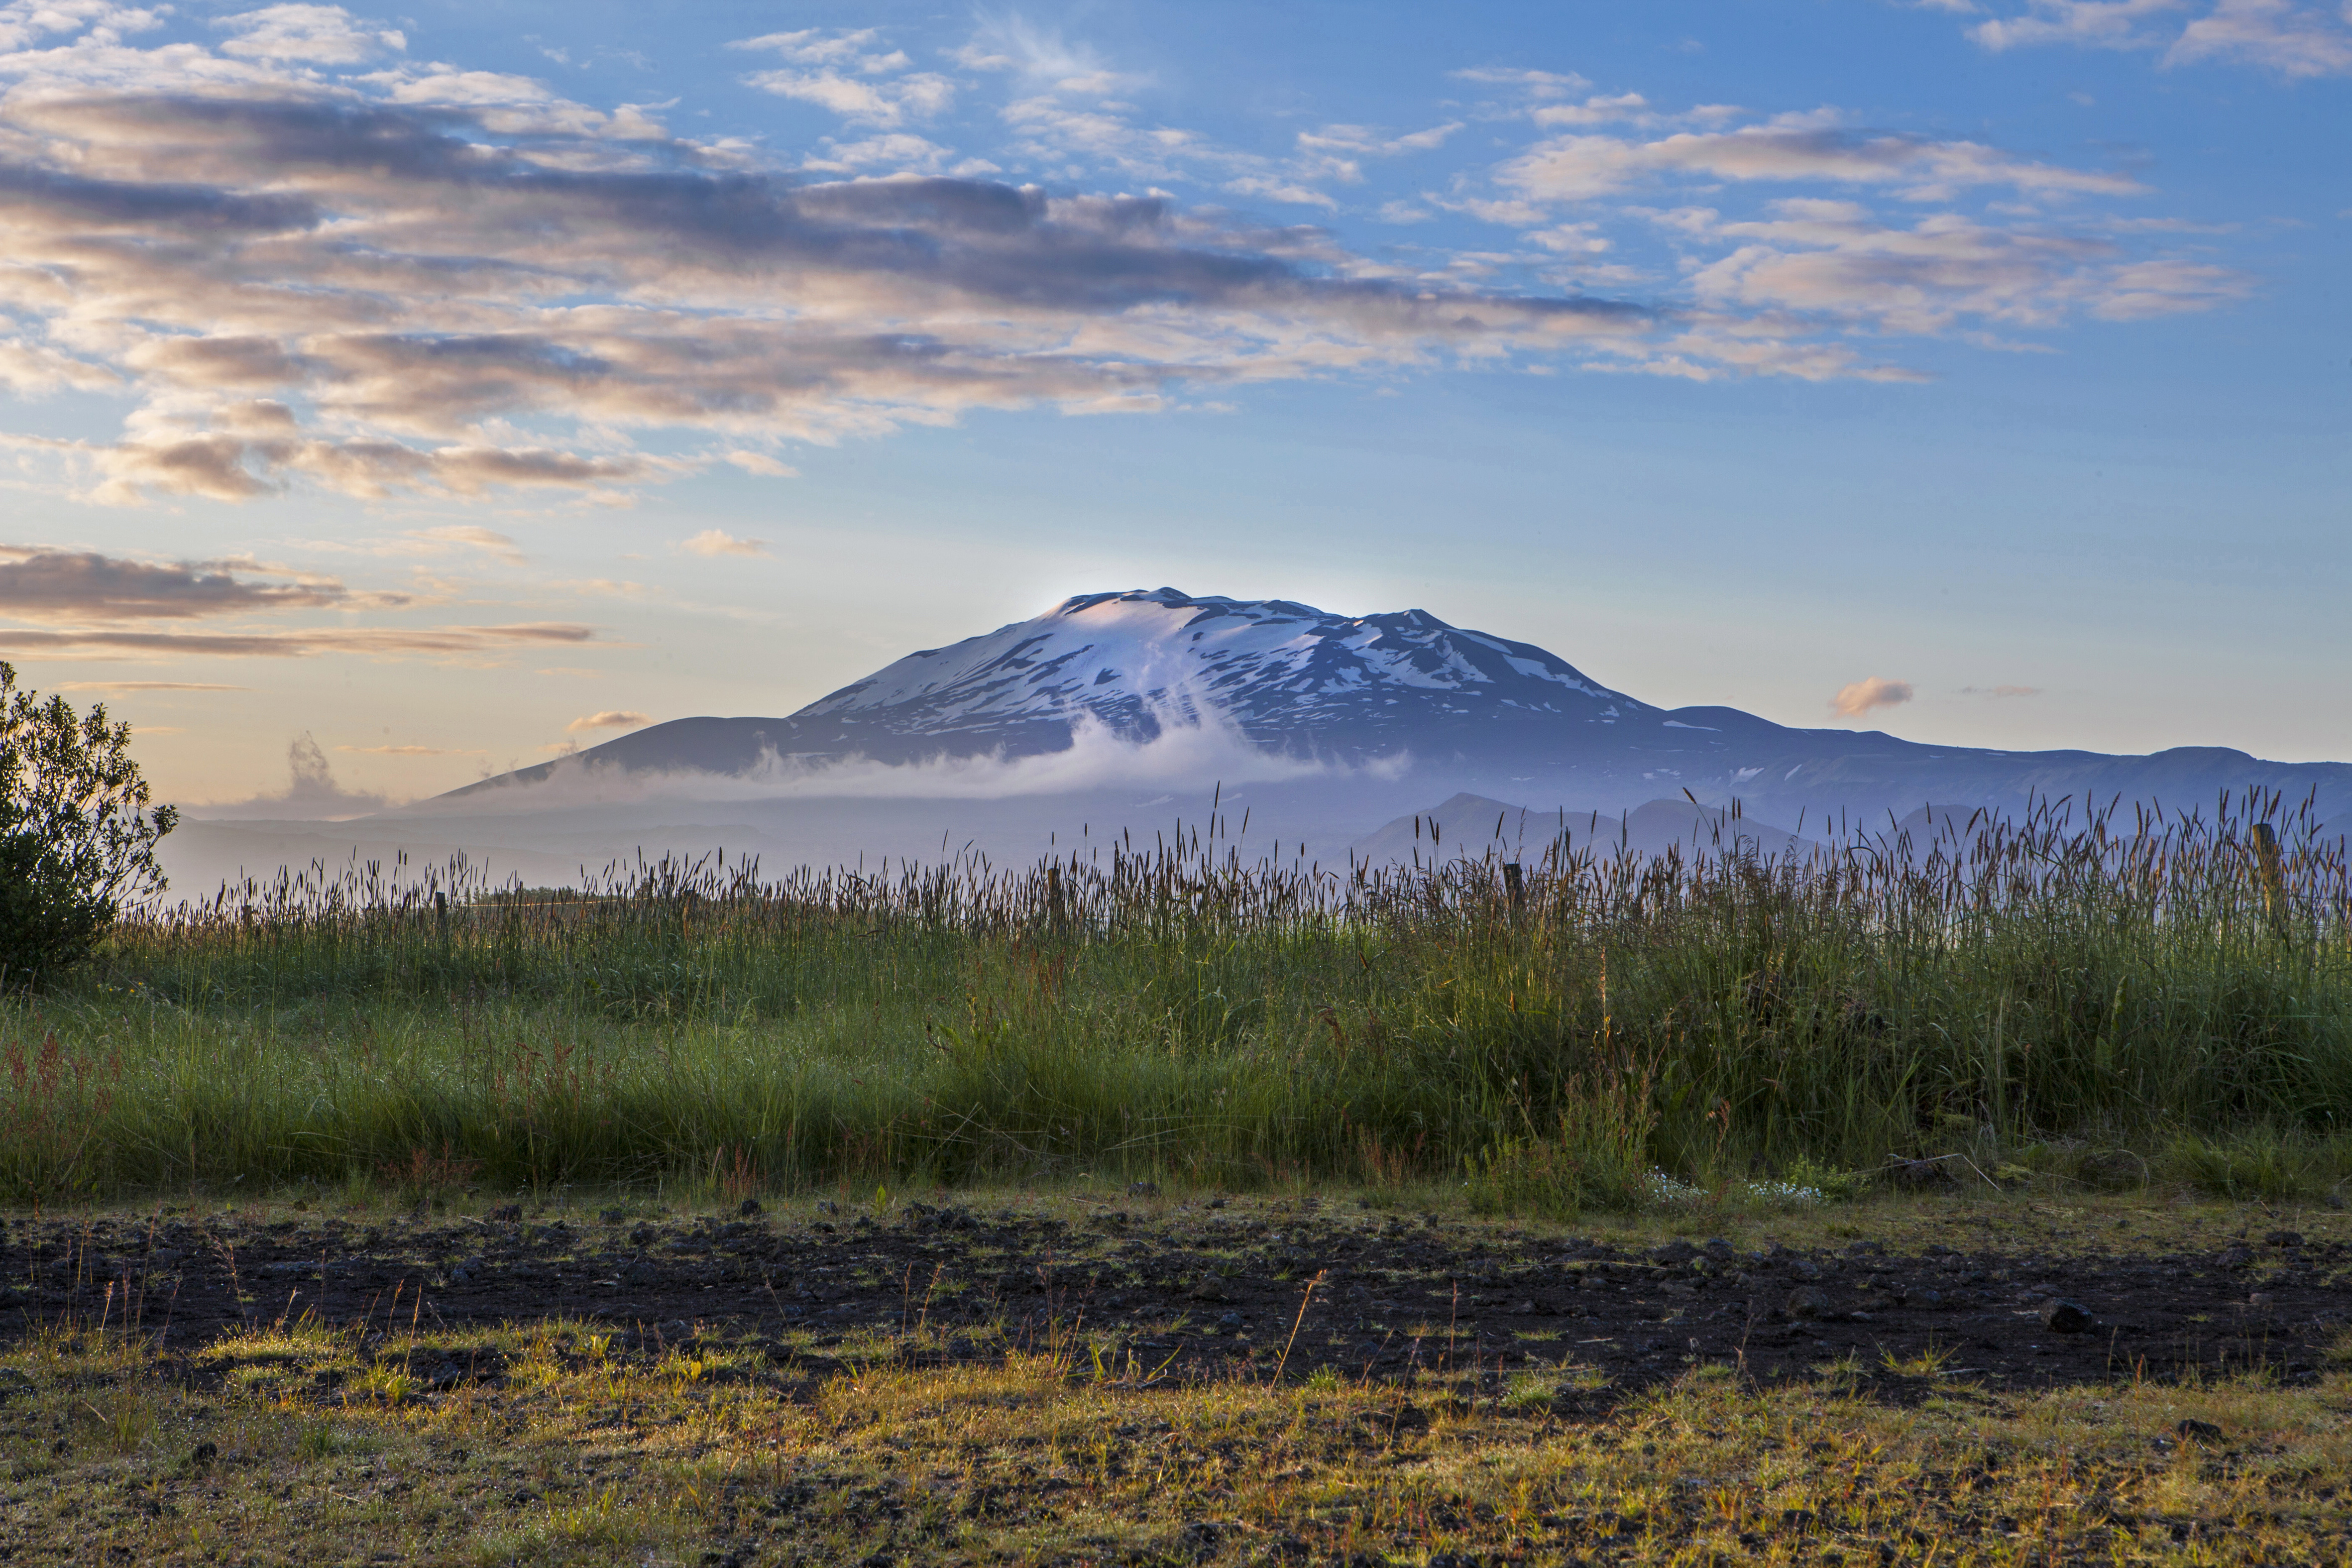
{"points": [[1561, 1027]]}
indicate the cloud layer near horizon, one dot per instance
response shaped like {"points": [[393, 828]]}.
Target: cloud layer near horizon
{"points": [[307, 259]]}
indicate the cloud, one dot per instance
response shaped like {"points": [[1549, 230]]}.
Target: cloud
{"points": [[278, 264], [611, 719], [760, 463], [2271, 34], [1832, 258], [317, 35], [1790, 147], [851, 76], [51, 584], [2296, 41], [415, 278], [147, 686], [382, 642], [1598, 110], [1185, 751], [2098, 24], [487, 540], [310, 794], [1040, 56], [1866, 696], [1539, 83], [410, 751], [717, 541]]}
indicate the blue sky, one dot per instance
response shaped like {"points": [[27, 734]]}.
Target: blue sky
{"points": [[464, 383]]}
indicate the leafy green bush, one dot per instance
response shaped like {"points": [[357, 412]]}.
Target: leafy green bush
{"points": [[77, 837]]}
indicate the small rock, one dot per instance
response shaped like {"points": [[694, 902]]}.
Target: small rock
{"points": [[747, 1207], [506, 1214], [2237, 1257], [2283, 1238], [1143, 1189], [2066, 1318], [2261, 1298], [203, 1454], [1673, 1252], [613, 1217], [1809, 1301], [2199, 1431]]}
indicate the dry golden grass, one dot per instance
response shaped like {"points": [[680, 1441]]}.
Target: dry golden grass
{"points": [[299, 1445]]}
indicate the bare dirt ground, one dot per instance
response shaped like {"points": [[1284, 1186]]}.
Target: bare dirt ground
{"points": [[1196, 1284]]}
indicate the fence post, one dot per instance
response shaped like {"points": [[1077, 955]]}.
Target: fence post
{"points": [[2266, 860], [1515, 884], [441, 916], [1054, 897]]}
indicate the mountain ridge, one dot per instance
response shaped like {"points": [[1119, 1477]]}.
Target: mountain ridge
{"points": [[1404, 690]]}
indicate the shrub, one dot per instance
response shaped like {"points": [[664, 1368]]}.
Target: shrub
{"points": [[77, 837]]}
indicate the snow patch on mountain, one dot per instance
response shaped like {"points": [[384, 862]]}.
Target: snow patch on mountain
{"points": [[1135, 661]]}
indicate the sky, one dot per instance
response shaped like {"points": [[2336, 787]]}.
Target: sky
{"points": [[436, 390]]}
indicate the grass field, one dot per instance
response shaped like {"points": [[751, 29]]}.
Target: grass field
{"points": [[2168, 1001], [1884, 1071]]}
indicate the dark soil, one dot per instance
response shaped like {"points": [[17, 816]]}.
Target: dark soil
{"points": [[1204, 1286]]}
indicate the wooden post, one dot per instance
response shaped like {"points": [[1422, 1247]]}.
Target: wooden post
{"points": [[1053, 896], [441, 916], [2273, 875], [1515, 884]]}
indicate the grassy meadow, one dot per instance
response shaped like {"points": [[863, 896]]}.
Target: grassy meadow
{"points": [[2109, 1001]]}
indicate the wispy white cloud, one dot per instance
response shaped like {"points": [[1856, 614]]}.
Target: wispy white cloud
{"points": [[1834, 258], [313, 35], [846, 72], [2098, 24], [718, 542], [2293, 39], [1806, 146]]}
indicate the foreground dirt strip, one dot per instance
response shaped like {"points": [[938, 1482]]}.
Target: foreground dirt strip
{"points": [[299, 1445], [1211, 1284]]}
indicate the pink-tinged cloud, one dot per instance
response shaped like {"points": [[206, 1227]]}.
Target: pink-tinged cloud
{"points": [[1868, 696], [611, 719]]}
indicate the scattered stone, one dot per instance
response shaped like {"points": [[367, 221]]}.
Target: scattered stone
{"points": [[2237, 1257], [2283, 1238], [2261, 1298], [2066, 1316], [1673, 1253], [1143, 1189], [613, 1217], [1808, 1302], [506, 1214], [747, 1207], [203, 1454], [2198, 1431]]}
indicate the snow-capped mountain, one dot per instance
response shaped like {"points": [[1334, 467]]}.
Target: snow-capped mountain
{"points": [[1284, 674], [1424, 707]]}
